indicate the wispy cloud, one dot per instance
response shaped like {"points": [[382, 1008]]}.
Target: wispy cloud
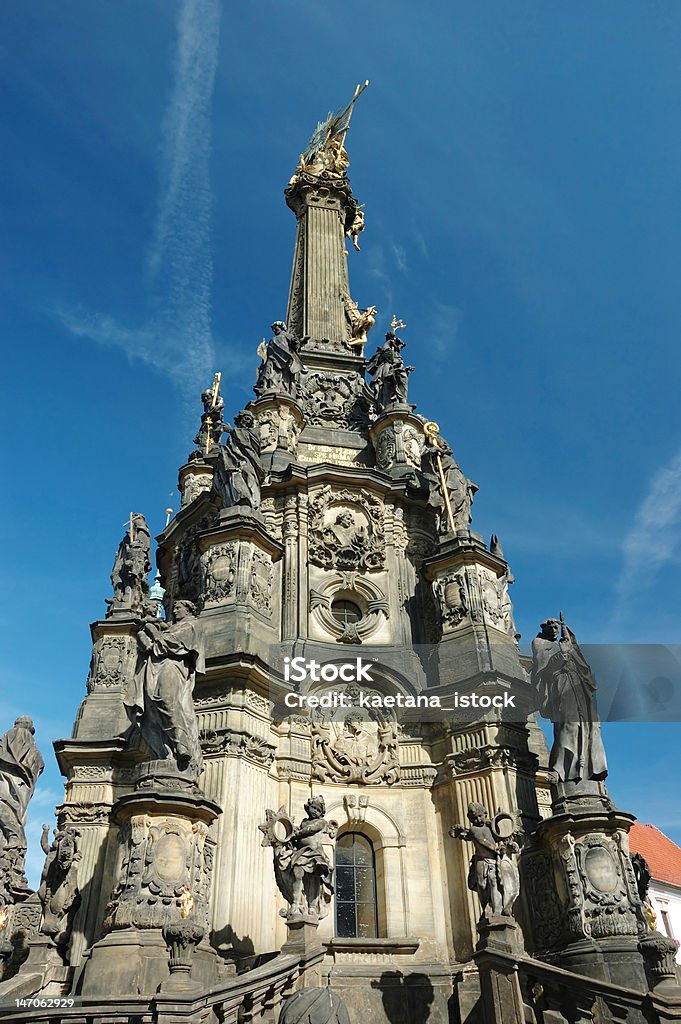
{"points": [[654, 539], [176, 338], [443, 330]]}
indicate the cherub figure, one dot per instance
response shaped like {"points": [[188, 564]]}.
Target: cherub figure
{"points": [[492, 872], [302, 869], [356, 228]]}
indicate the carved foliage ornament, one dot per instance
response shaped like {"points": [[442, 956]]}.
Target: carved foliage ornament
{"points": [[346, 530]]}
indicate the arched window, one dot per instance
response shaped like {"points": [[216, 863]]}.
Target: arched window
{"points": [[356, 911]]}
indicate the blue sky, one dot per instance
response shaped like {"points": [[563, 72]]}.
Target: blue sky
{"points": [[520, 167]]}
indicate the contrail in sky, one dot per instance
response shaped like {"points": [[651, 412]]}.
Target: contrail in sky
{"points": [[654, 539], [177, 338]]}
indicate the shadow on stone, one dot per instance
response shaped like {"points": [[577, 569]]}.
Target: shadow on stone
{"points": [[407, 998]]}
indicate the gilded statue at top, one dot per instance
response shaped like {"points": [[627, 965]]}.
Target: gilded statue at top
{"points": [[326, 154]]}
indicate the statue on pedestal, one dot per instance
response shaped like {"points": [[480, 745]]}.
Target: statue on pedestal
{"points": [[565, 690], [159, 698], [390, 377], [212, 424], [239, 473], [59, 893], [21, 765], [492, 873], [281, 366], [301, 867], [450, 493], [131, 567]]}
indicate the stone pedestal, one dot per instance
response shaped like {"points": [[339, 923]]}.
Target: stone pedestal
{"points": [[475, 613], [302, 936], [163, 882], [280, 420], [580, 892], [195, 477], [398, 440]]}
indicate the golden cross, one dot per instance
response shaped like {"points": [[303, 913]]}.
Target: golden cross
{"points": [[216, 389], [397, 325]]}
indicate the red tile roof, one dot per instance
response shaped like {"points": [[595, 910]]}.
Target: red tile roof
{"points": [[663, 855]]}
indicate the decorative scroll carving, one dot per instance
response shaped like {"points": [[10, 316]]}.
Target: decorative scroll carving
{"points": [[109, 658], [279, 428], [261, 577], [238, 744], [478, 759], [361, 748], [334, 400], [453, 599], [83, 814], [195, 483], [168, 860], [538, 884], [362, 591], [346, 530], [219, 572]]}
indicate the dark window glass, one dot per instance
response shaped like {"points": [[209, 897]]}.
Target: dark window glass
{"points": [[346, 612], [356, 915]]}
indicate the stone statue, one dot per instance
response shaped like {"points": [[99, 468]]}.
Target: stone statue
{"points": [[390, 377], [131, 567], [643, 875], [159, 698], [492, 873], [281, 367], [565, 691], [58, 892], [212, 424], [360, 320], [239, 473], [438, 464], [356, 227], [301, 868], [21, 765]]}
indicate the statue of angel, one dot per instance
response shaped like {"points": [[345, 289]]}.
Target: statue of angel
{"points": [[302, 869], [360, 320]]}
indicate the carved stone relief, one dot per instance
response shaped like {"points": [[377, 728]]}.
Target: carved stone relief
{"points": [[346, 530], [163, 860], [219, 572], [334, 400], [195, 483], [279, 428], [363, 592], [241, 744], [362, 748], [109, 662], [452, 599], [262, 575]]}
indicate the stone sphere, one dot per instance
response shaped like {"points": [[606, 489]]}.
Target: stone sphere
{"points": [[314, 1006]]}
